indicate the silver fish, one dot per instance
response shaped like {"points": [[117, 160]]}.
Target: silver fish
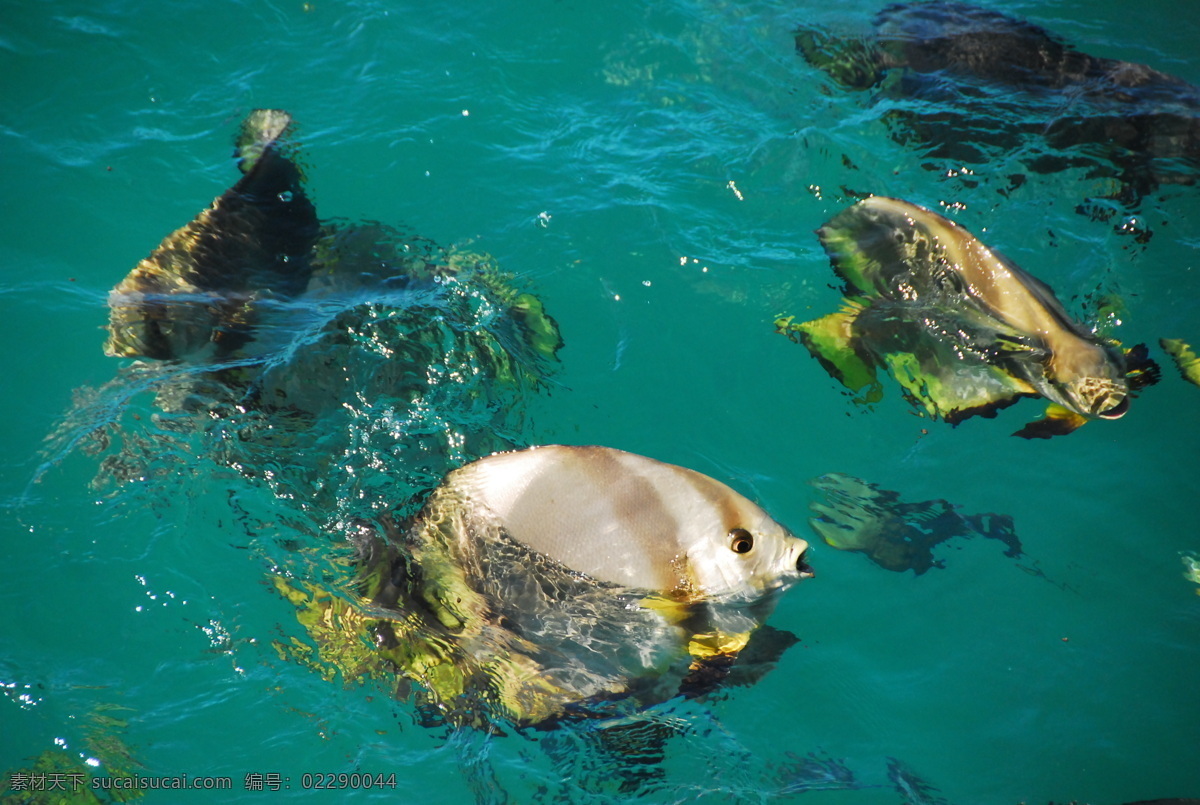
{"points": [[626, 519], [568, 574]]}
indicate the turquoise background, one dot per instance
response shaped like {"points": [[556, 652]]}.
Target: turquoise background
{"points": [[655, 172]]}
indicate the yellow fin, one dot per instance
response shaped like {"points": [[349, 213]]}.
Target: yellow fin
{"points": [[1185, 358], [1058, 421], [830, 339], [673, 611], [712, 644]]}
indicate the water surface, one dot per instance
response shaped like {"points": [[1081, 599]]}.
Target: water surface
{"points": [[654, 172]]}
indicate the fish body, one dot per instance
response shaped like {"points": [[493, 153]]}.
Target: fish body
{"points": [[890, 249], [625, 519]]}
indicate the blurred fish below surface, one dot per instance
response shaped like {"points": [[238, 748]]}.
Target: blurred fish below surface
{"points": [[854, 515], [967, 85]]}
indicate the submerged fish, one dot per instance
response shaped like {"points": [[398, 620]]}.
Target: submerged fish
{"points": [[858, 516], [259, 318], [962, 329], [541, 584], [912, 789], [815, 772], [982, 82]]}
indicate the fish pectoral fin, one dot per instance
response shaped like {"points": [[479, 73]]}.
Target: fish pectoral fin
{"points": [[713, 655], [706, 674], [949, 391], [760, 651], [711, 644], [1058, 421], [1141, 371], [673, 611]]}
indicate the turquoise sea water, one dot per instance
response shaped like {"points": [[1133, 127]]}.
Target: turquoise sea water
{"points": [[654, 172]]}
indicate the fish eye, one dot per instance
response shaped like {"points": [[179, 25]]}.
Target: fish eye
{"points": [[740, 540]]}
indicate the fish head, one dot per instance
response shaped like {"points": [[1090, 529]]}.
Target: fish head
{"points": [[1090, 380], [743, 554]]}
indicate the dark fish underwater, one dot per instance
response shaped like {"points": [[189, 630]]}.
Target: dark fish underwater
{"points": [[969, 84]]}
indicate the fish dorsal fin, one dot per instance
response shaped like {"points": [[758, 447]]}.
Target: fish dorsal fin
{"points": [[262, 129]]}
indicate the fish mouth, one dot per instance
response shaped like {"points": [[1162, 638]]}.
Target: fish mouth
{"points": [[803, 568], [1095, 396], [1117, 411]]}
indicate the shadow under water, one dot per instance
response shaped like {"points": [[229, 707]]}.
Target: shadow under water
{"points": [[859, 516]]}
